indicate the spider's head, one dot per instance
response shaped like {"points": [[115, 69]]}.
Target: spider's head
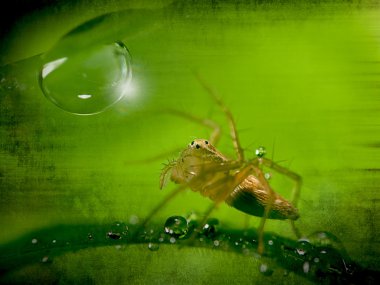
{"points": [[200, 144]]}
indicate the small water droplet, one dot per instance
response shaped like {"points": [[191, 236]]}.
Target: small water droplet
{"points": [[176, 226], [270, 242], [216, 243], [90, 236], [172, 240], [119, 228], [267, 176], [303, 247], [45, 259], [133, 220], [210, 228], [87, 81], [306, 267], [54, 241], [153, 246], [260, 151], [34, 241], [265, 269]]}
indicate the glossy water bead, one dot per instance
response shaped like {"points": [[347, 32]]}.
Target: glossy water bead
{"points": [[87, 81]]}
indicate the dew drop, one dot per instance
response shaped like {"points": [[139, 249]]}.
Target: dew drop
{"points": [[89, 80], [210, 228], [176, 226], [216, 243], [303, 247], [153, 246], [34, 241], [119, 228], [172, 240], [265, 269], [306, 267], [45, 259], [260, 151], [133, 220]]}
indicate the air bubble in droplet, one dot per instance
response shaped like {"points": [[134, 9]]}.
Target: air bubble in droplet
{"points": [[260, 151], [176, 226], [87, 81]]}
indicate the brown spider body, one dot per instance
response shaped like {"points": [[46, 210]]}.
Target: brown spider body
{"points": [[200, 166]]}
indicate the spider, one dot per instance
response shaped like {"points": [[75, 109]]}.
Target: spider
{"points": [[239, 182]]}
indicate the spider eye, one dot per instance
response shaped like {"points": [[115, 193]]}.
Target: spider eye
{"points": [[206, 142], [197, 146], [192, 143]]}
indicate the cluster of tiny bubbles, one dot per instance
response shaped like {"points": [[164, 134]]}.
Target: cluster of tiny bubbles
{"points": [[176, 227], [260, 151], [86, 81]]}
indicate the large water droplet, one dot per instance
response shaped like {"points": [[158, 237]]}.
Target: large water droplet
{"points": [[87, 81], [176, 226]]}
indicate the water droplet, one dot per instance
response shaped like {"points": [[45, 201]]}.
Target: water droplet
{"points": [[34, 241], [270, 242], [90, 236], [45, 259], [265, 269], [210, 228], [303, 247], [306, 267], [172, 240], [54, 241], [176, 226], [267, 175], [153, 246], [133, 220], [119, 228], [87, 81], [216, 243], [260, 151]]}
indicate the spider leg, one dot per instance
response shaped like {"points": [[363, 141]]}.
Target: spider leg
{"points": [[159, 206], [230, 118], [216, 130], [296, 190]]}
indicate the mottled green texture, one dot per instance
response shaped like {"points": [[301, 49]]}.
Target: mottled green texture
{"points": [[301, 80]]}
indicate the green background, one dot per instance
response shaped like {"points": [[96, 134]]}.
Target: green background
{"points": [[301, 78]]}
